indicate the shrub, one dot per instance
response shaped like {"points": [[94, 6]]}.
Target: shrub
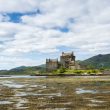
{"points": [[62, 70]]}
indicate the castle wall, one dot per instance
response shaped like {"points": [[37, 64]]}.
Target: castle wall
{"points": [[51, 65]]}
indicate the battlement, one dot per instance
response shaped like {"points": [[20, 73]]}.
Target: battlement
{"points": [[67, 54], [51, 60]]}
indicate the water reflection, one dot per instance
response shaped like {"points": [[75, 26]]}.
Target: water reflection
{"points": [[12, 84], [3, 102], [20, 76], [53, 94], [81, 91]]}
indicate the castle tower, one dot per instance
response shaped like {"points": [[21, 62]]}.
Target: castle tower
{"points": [[51, 64], [67, 60]]}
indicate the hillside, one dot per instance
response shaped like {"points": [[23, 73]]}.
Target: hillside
{"points": [[24, 70], [99, 61]]}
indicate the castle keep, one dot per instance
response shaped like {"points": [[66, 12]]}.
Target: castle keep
{"points": [[67, 60]]}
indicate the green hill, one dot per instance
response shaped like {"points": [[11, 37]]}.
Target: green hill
{"points": [[99, 62], [24, 70]]}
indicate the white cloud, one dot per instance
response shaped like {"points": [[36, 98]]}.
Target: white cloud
{"points": [[56, 13], [12, 62], [18, 5]]}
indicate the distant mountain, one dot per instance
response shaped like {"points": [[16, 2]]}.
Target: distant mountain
{"points": [[24, 70], [98, 61], [42, 66]]}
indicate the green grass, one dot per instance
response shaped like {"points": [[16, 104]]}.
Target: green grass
{"points": [[76, 72]]}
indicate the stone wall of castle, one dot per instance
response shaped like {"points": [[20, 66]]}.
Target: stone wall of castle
{"points": [[52, 64]]}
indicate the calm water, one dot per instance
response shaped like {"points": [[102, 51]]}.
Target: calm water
{"points": [[57, 93]]}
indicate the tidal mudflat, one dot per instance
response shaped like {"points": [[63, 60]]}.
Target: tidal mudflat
{"points": [[55, 93]]}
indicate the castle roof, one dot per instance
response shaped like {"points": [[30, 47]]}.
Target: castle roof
{"points": [[67, 54], [51, 60]]}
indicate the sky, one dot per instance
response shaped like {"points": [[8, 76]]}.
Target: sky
{"points": [[33, 30]]}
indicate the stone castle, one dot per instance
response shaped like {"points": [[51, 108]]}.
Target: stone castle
{"points": [[67, 60]]}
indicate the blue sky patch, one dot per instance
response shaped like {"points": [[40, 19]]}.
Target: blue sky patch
{"points": [[16, 17], [62, 29]]}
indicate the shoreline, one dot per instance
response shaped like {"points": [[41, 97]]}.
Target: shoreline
{"points": [[70, 75], [61, 75]]}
